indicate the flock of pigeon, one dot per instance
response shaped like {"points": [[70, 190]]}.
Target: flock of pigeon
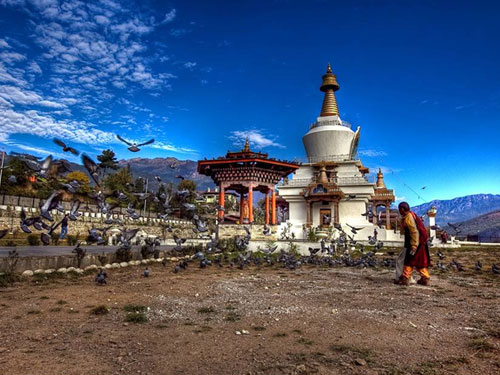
{"points": [[337, 250]]}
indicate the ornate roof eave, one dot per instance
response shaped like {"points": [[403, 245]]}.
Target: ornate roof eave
{"points": [[383, 194]]}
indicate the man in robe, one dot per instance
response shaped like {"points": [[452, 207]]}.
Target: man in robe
{"points": [[417, 250]]}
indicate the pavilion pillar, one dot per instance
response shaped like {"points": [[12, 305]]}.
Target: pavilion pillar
{"points": [[266, 208], [273, 207], [308, 213], [374, 211], [221, 201], [388, 216], [242, 205], [336, 218], [250, 204]]}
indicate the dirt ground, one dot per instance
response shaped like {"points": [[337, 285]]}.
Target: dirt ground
{"points": [[260, 320]]}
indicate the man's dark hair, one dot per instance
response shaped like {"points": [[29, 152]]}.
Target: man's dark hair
{"points": [[405, 206]]}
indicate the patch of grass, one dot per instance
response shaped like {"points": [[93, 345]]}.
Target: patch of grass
{"points": [[259, 328], [33, 312], [47, 277], [230, 307], [298, 331], [232, 317], [280, 334], [206, 310], [44, 297], [55, 309], [363, 353], [8, 278], [71, 311], [136, 317], [62, 302], [134, 308], [481, 344], [305, 341], [99, 310]]}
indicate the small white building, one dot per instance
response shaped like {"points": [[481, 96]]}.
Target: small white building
{"points": [[332, 186]]}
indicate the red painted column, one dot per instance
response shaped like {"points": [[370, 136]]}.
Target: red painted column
{"points": [[221, 200], [250, 204], [242, 203], [273, 207], [266, 208]]}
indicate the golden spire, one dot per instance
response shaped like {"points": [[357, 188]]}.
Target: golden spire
{"points": [[247, 146], [380, 180], [323, 178], [329, 86]]}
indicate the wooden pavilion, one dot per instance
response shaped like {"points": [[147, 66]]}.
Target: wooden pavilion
{"points": [[245, 172]]}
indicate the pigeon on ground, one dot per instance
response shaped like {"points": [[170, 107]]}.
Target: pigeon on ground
{"points": [[101, 277], [495, 269], [146, 272], [12, 179], [479, 266]]}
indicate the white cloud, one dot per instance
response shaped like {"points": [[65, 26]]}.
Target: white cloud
{"points": [[32, 122], [189, 65], [169, 17], [255, 137], [11, 57], [33, 67], [170, 147], [371, 153], [3, 43]]}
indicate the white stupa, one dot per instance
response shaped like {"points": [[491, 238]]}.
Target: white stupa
{"points": [[332, 186]]}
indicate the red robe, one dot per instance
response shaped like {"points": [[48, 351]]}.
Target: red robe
{"points": [[422, 258]]}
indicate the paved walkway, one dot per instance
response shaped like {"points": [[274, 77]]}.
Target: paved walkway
{"points": [[28, 251]]}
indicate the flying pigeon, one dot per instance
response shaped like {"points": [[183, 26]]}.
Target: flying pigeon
{"points": [[134, 147], [65, 147]]}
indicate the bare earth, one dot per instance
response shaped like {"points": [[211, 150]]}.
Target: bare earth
{"points": [[313, 320]]}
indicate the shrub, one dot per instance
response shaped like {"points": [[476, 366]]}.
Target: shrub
{"points": [[7, 279], [136, 317], [99, 310], [33, 240], [72, 240], [134, 308]]}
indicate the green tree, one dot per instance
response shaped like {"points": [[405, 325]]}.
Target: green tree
{"points": [[108, 161], [118, 181]]}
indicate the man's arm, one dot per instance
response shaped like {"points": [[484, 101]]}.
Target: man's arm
{"points": [[414, 235]]}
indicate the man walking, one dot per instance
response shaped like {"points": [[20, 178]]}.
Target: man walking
{"points": [[417, 251], [64, 227]]}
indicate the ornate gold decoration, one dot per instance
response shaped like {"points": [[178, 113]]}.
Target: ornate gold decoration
{"points": [[329, 86], [247, 146], [380, 180]]}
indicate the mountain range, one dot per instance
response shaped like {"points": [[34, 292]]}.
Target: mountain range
{"points": [[462, 209], [167, 169]]}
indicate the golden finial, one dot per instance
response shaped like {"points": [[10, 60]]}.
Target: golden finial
{"points": [[380, 179], [247, 146], [329, 86]]}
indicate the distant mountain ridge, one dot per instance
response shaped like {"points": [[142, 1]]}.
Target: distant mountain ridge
{"points": [[462, 208], [148, 168]]}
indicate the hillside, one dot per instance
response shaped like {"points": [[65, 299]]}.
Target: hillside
{"points": [[486, 227], [462, 208]]}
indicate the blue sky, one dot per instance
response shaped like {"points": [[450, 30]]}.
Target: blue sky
{"points": [[419, 77]]}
